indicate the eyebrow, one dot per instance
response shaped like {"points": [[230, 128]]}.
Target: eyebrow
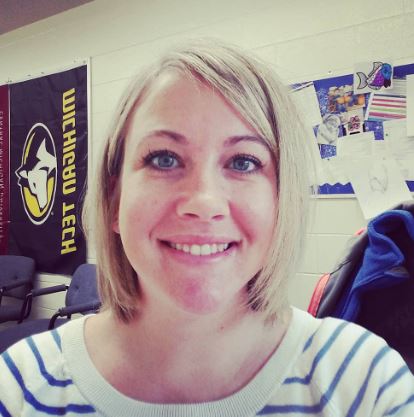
{"points": [[169, 134], [230, 141]]}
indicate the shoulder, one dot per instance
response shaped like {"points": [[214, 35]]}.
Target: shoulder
{"points": [[40, 351], [338, 342], [351, 370], [34, 372]]}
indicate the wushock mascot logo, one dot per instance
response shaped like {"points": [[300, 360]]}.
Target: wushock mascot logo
{"points": [[38, 174]]}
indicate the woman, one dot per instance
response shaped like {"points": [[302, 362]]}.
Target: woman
{"points": [[199, 214]]}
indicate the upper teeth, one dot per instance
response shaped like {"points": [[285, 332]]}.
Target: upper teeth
{"points": [[201, 250]]}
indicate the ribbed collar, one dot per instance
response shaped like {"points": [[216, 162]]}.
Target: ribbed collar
{"points": [[245, 403]]}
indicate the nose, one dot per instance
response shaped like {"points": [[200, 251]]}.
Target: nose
{"points": [[203, 198]]}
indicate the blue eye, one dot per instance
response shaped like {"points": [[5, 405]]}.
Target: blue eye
{"points": [[162, 160], [245, 163]]}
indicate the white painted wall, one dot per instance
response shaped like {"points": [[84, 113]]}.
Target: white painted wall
{"points": [[302, 39]]}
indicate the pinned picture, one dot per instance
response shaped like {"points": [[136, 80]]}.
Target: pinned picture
{"points": [[372, 76], [328, 130], [342, 99], [353, 121], [390, 104]]}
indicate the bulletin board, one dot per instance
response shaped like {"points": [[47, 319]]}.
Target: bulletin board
{"points": [[338, 101]]}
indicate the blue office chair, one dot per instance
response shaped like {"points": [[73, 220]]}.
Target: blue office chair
{"points": [[16, 281], [81, 297]]}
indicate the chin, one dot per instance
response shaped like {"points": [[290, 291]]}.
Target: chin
{"points": [[202, 303], [199, 305]]}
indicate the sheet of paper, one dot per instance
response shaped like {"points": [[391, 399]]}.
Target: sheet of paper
{"points": [[355, 146], [378, 184], [304, 95], [334, 171], [372, 76], [410, 105], [400, 146]]}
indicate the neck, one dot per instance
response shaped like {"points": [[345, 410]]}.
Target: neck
{"points": [[196, 358]]}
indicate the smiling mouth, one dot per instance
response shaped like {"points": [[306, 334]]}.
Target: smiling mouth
{"points": [[200, 250]]}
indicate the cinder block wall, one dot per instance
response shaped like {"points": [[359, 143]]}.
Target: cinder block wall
{"points": [[302, 39]]}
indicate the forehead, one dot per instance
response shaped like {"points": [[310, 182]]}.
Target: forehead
{"points": [[181, 101]]}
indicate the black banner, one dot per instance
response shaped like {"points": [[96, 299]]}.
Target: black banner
{"points": [[48, 169], [4, 169]]}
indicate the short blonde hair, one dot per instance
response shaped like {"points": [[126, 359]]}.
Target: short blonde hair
{"points": [[265, 103]]}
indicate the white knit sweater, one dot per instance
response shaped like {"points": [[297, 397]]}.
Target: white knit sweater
{"points": [[322, 367]]}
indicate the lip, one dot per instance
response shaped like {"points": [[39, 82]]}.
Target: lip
{"points": [[198, 239]]}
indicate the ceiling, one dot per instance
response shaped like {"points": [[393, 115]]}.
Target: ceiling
{"points": [[17, 13]]}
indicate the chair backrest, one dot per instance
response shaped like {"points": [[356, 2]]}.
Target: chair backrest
{"points": [[83, 287], [13, 268]]}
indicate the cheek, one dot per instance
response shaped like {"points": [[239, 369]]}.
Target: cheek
{"points": [[255, 211], [139, 209]]}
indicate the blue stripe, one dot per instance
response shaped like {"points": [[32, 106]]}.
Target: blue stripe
{"points": [[318, 357], [398, 407], [292, 408], [317, 408], [56, 337], [3, 411], [29, 397], [49, 378], [308, 343], [403, 370], [358, 399]]}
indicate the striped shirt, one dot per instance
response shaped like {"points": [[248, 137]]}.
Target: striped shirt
{"points": [[323, 367]]}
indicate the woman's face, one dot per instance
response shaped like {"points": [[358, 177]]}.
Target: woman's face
{"points": [[197, 199]]}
